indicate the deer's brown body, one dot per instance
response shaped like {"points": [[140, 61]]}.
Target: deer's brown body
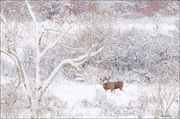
{"points": [[113, 85], [108, 86], [119, 85]]}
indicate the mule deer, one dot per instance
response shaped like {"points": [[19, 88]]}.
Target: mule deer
{"points": [[111, 85]]}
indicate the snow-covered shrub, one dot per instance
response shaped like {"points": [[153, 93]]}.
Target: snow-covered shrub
{"points": [[165, 91], [137, 49], [13, 100], [165, 100], [53, 107], [100, 100], [71, 73]]}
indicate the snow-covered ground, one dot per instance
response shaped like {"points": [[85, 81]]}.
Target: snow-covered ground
{"points": [[74, 99], [74, 92], [91, 100]]}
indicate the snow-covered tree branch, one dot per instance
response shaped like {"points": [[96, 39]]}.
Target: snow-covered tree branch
{"points": [[42, 86], [22, 76]]}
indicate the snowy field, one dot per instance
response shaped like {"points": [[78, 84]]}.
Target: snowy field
{"points": [[53, 68], [70, 99], [91, 100]]}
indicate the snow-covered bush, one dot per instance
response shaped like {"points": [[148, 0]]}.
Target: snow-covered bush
{"points": [[53, 107], [13, 102], [164, 92]]}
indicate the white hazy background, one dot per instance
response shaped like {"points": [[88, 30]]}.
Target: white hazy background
{"points": [[136, 42]]}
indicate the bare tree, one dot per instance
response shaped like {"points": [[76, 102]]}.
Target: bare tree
{"points": [[41, 86]]}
